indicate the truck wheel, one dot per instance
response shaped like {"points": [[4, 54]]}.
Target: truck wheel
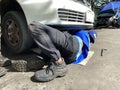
{"points": [[15, 32]]}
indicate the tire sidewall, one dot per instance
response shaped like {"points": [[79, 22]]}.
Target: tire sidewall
{"points": [[118, 21], [24, 36]]}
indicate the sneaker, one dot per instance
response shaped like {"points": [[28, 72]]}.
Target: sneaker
{"points": [[51, 72], [2, 71]]}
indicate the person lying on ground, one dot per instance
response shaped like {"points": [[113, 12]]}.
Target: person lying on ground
{"points": [[61, 47]]}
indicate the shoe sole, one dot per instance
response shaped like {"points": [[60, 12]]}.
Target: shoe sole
{"points": [[3, 72], [27, 63], [4, 61], [19, 65]]}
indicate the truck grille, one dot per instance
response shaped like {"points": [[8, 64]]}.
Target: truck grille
{"points": [[70, 15]]}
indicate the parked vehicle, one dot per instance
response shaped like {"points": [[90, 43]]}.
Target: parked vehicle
{"points": [[62, 14], [109, 15]]}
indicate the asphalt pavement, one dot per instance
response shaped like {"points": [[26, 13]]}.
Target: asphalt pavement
{"points": [[102, 72]]}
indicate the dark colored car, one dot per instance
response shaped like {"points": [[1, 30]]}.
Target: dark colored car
{"points": [[109, 15]]}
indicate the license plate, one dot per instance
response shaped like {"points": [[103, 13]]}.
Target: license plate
{"points": [[89, 17]]}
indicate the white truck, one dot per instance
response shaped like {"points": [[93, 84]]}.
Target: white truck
{"points": [[62, 14]]}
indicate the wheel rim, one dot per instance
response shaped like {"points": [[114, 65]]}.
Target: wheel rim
{"points": [[12, 32]]}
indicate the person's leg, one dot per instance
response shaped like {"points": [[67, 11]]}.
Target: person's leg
{"points": [[57, 37], [64, 42], [43, 40]]}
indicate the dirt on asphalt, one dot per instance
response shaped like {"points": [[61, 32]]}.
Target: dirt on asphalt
{"points": [[102, 72]]}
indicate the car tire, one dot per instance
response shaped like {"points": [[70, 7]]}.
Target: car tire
{"points": [[15, 32], [118, 23]]}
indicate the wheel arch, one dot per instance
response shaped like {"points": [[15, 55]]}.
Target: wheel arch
{"points": [[11, 5]]}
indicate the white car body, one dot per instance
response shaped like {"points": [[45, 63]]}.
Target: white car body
{"points": [[57, 12], [69, 15]]}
